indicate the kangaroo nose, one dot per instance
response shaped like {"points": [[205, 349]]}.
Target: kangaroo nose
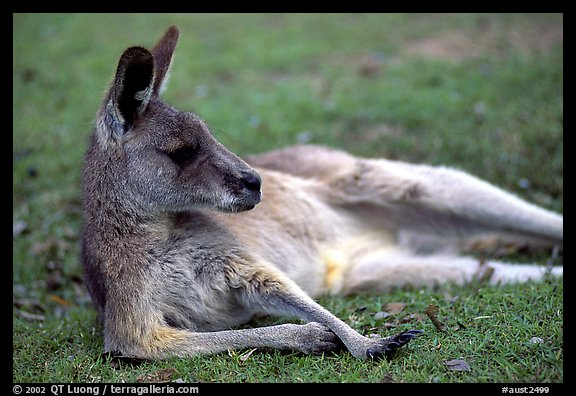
{"points": [[252, 181]]}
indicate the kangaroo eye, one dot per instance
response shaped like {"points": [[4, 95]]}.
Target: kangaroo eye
{"points": [[182, 155]]}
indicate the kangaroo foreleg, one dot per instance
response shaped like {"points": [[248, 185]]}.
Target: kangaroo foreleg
{"points": [[161, 342]]}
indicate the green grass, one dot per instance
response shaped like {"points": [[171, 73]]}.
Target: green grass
{"points": [[490, 328], [483, 93]]}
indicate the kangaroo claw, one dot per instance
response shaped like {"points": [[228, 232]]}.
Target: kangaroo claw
{"points": [[387, 346]]}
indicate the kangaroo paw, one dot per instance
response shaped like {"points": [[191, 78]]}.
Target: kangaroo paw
{"points": [[386, 346]]}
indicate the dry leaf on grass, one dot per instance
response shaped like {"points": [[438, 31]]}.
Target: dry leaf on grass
{"points": [[395, 307], [381, 315], [431, 312], [457, 365], [59, 300], [246, 355], [413, 317], [163, 375]]}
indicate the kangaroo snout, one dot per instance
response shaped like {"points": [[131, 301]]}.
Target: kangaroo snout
{"points": [[252, 181], [251, 193]]}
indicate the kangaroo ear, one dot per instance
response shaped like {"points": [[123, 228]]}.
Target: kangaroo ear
{"points": [[163, 53], [129, 93], [134, 82]]}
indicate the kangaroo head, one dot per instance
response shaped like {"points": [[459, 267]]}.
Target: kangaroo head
{"points": [[161, 158]]}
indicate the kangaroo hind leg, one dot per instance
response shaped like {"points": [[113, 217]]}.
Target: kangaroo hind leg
{"points": [[422, 198], [389, 270], [440, 201]]}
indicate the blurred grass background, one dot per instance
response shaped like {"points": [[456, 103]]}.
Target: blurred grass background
{"points": [[481, 92]]}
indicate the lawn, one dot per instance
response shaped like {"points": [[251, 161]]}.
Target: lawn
{"points": [[480, 92]]}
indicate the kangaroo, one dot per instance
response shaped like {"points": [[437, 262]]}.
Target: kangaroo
{"points": [[183, 241]]}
